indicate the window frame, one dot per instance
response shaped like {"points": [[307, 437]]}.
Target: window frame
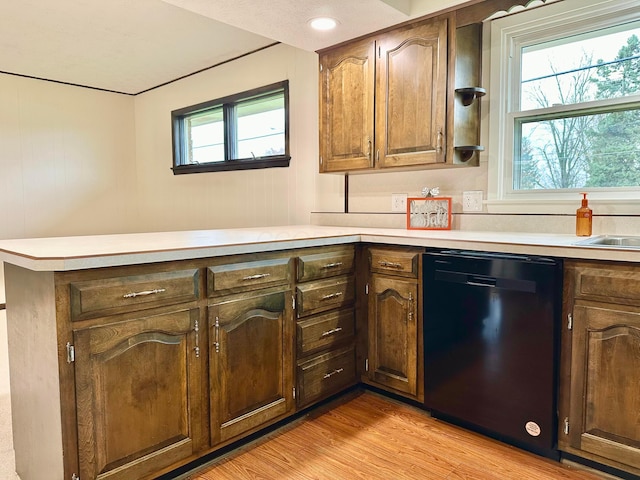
{"points": [[228, 104], [505, 37]]}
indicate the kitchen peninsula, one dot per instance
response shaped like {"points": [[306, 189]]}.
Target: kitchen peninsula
{"points": [[85, 315]]}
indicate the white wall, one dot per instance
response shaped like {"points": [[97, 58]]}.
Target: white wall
{"points": [[78, 161], [67, 164], [274, 196]]}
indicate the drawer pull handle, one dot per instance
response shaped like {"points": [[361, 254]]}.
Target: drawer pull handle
{"points": [[331, 374], [332, 296], [256, 276], [384, 263], [333, 265], [142, 294], [331, 332]]}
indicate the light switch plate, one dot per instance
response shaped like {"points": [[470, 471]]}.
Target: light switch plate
{"points": [[472, 201], [398, 202]]}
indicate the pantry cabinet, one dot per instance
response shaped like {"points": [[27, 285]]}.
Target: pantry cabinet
{"points": [[393, 84], [600, 372], [394, 360]]}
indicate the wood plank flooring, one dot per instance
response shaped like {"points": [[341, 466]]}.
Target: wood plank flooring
{"points": [[371, 437]]}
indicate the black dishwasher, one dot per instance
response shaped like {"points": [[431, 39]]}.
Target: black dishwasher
{"points": [[491, 334]]}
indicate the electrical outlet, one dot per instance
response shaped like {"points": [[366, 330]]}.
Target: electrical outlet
{"points": [[398, 202], [472, 201]]}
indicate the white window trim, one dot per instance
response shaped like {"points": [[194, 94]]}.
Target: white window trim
{"points": [[503, 36]]}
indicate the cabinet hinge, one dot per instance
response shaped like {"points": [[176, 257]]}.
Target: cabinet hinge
{"points": [[75, 477], [294, 393], [321, 67], [71, 353], [570, 321], [566, 426], [366, 289], [366, 364], [320, 159], [293, 302], [379, 51]]}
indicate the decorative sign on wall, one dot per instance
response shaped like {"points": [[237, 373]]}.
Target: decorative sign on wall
{"points": [[431, 213]]}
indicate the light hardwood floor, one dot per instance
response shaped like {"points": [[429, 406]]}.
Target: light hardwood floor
{"points": [[371, 437]]}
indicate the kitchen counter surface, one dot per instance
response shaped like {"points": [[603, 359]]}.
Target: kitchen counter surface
{"points": [[83, 252]]}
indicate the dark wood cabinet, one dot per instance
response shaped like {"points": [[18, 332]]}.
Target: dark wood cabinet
{"points": [[251, 361], [347, 80], [394, 359], [411, 95], [325, 329], [393, 84], [139, 394], [600, 373]]}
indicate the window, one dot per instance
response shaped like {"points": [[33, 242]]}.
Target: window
{"points": [[565, 115], [244, 131]]}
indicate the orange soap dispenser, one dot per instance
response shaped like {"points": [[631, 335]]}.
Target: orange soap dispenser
{"points": [[584, 218]]}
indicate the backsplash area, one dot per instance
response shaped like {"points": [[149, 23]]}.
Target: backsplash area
{"points": [[529, 223]]}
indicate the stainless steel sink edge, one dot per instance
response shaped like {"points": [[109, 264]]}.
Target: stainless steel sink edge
{"points": [[615, 241]]}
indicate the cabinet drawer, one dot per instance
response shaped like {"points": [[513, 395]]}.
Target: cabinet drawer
{"points": [[325, 330], [395, 262], [326, 374], [325, 264], [95, 298], [611, 284], [247, 275], [324, 295]]}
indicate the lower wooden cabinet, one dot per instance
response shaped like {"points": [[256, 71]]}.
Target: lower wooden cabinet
{"points": [[326, 325], [325, 374], [600, 382], [251, 361], [139, 395], [393, 333], [394, 354]]}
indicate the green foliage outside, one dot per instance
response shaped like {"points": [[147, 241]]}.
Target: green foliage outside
{"points": [[594, 150]]}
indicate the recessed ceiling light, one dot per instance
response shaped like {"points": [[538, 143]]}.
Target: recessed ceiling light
{"points": [[323, 23]]}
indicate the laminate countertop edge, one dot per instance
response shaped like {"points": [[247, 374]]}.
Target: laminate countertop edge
{"points": [[84, 252]]}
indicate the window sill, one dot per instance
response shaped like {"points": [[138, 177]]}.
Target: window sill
{"points": [[230, 165]]}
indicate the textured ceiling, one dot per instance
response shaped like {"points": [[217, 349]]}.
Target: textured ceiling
{"points": [[130, 46]]}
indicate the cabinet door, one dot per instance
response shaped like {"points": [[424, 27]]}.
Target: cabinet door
{"points": [[138, 392], [393, 336], [251, 357], [411, 92], [605, 383], [346, 107]]}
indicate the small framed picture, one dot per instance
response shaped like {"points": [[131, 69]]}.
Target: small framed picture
{"points": [[429, 213]]}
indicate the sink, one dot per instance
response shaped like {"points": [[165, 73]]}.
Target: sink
{"points": [[620, 241]]}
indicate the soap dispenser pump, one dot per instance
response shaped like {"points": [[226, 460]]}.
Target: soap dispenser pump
{"points": [[584, 218]]}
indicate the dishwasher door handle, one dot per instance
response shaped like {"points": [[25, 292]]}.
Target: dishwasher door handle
{"points": [[481, 281]]}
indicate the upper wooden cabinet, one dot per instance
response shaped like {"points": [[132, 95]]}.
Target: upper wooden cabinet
{"points": [[383, 100], [347, 79]]}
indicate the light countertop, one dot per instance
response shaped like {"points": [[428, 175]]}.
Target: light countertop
{"points": [[83, 252]]}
